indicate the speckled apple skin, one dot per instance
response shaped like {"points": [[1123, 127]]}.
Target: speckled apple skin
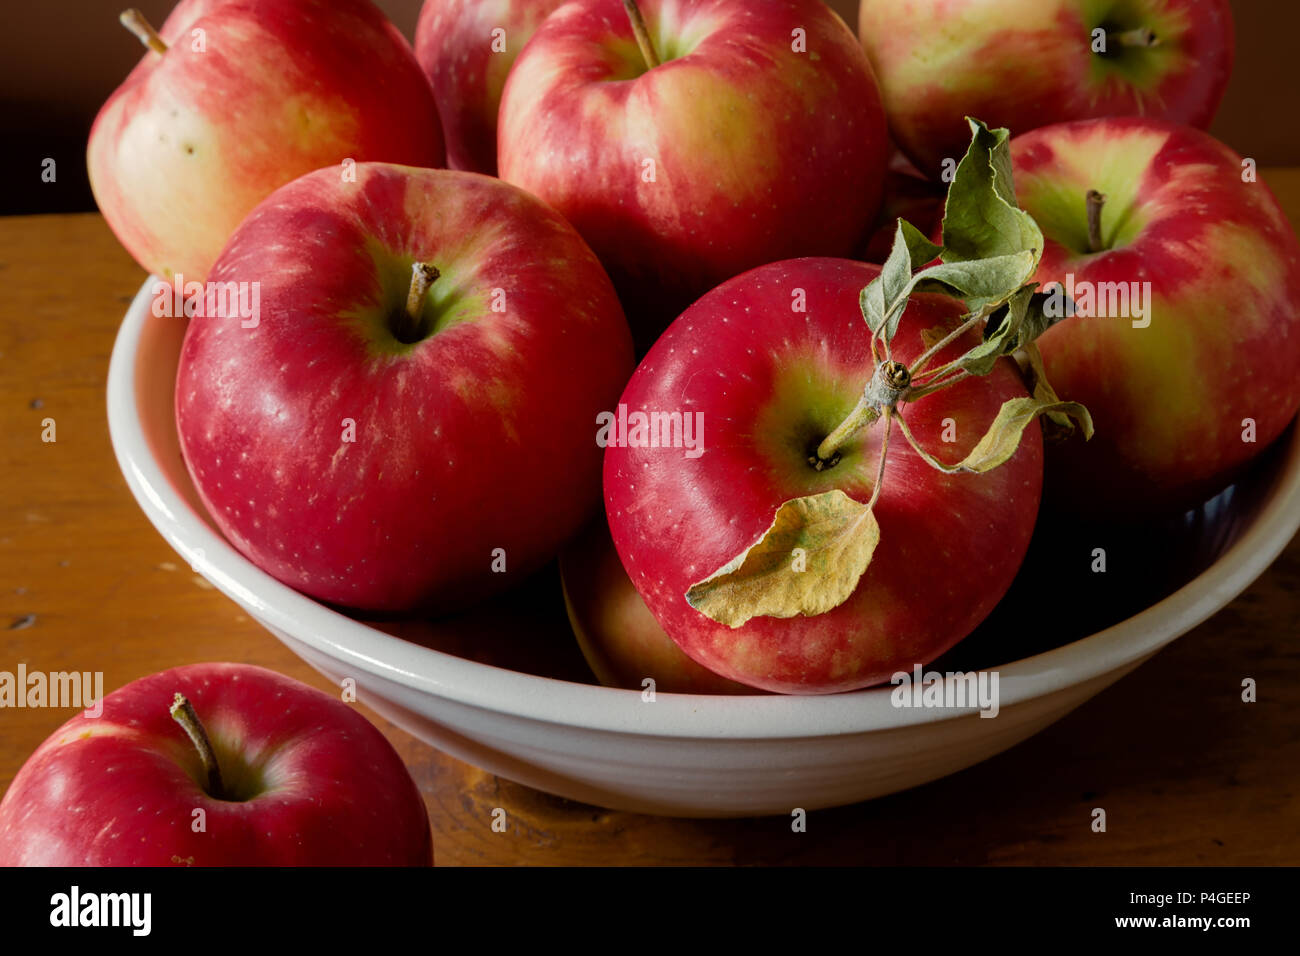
{"points": [[759, 152], [194, 139], [1023, 64], [1221, 346], [467, 61], [770, 382], [121, 789], [476, 440]]}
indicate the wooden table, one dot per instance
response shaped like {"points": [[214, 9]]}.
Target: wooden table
{"points": [[1187, 773]]}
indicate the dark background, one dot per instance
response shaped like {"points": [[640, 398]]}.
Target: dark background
{"points": [[60, 59]]}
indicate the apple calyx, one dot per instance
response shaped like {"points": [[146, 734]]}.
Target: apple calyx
{"points": [[642, 34], [135, 21], [183, 713], [991, 250]]}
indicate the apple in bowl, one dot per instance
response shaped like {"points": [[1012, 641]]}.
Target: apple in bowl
{"points": [[795, 548], [466, 48], [1029, 63], [234, 98], [401, 427], [1183, 277], [215, 765], [770, 362], [622, 642], [691, 140]]}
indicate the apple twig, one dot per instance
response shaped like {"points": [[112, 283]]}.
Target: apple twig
{"points": [[884, 450], [642, 33], [423, 276], [183, 713], [924, 359], [135, 21], [1138, 37], [1095, 201]]}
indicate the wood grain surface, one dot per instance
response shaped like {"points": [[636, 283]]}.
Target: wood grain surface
{"points": [[1187, 773]]}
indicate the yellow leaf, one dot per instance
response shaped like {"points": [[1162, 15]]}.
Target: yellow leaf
{"points": [[1003, 437], [809, 561]]}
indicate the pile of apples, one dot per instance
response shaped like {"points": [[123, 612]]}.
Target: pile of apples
{"points": [[644, 275], [444, 374]]}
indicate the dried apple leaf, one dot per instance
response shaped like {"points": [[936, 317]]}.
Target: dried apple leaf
{"points": [[830, 536], [1003, 437]]}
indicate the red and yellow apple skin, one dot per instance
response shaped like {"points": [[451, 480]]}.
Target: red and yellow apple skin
{"points": [[759, 152], [468, 63], [1170, 399], [477, 437], [310, 782], [193, 140], [619, 637], [1029, 63], [771, 383]]}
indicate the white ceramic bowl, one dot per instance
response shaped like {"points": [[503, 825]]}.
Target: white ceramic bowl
{"points": [[680, 754]]}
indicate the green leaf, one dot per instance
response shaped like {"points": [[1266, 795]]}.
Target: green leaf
{"points": [[885, 297], [919, 247], [837, 535], [980, 282], [1037, 321], [1031, 366], [1000, 336], [872, 301], [1003, 437], [982, 218]]}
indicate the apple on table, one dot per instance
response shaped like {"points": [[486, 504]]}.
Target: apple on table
{"points": [[215, 765]]}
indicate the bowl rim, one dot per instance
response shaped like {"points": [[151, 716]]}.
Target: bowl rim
{"points": [[356, 645]]}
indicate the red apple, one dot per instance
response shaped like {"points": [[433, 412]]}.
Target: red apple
{"points": [[302, 780], [621, 640], [1177, 385], [1028, 63], [385, 445], [238, 97], [758, 137], [466, 48], [773, 361]]}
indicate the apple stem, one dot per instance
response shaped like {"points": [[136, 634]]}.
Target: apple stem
{"points": [[642, 34], [183, 713], [1138, 37], [423, 275], [1095, 202], [890, 383], [864, 413], [134, 21], [924, 359], [880, 465]]}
